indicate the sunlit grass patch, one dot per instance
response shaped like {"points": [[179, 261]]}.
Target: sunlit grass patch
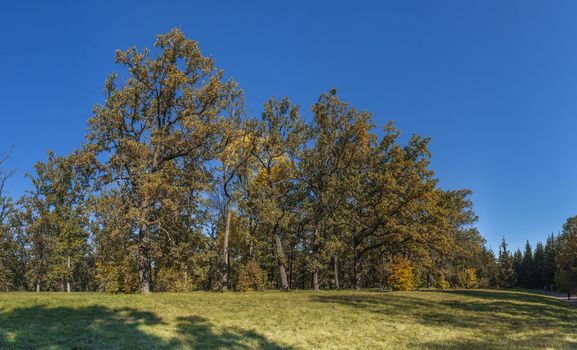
{"points": [[452, 319]]}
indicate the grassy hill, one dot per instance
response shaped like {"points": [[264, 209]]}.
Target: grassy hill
{"points": [[456, 319]]}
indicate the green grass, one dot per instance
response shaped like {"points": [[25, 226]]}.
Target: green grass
{"points": [[457, 319]]}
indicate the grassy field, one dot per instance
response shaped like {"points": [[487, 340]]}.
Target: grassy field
{"points": [[457, 319]]}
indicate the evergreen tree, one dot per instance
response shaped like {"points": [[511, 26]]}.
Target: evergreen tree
{"points": [[526, 268], [507, 275], [566, 259], [549, 265], [538, 266]]}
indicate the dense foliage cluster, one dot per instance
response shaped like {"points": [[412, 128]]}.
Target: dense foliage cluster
{"points": [[178, 189]]}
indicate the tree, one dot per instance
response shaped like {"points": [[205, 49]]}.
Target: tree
{"points": [[237, 146], [470, 278], [402, 277], [153, 134], [177, 189], [566, 276], [488, 269], [12, 246], [56, 223], [507, 275], [538, 266], [526, 268], [392, 198], [549, 264], [340, 134], [281, 135]]}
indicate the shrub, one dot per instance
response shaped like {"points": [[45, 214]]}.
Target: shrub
{"points": [[251, 278], [172, 279], [467, 278], [442, 283], [403, 277], [116, 278]]}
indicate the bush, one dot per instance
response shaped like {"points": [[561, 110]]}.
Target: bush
{"points": [[172, 279], [467, 278], [403, 277], [117, 278], [442, 283], [251, 278], [484, 282]]}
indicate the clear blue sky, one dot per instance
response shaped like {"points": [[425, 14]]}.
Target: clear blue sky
{"points": [[494, 83]]}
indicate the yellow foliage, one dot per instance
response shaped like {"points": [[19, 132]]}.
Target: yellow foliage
{"points": [[280, 170], [442, 283], [471, 278], [467, 278], [402, 277], [230, 153]]}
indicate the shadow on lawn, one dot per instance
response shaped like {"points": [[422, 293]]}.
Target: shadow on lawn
{"points": [[98, 327], [499, 319]]}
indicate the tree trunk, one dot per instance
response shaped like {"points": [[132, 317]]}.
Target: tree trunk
{"points": [[316, 285], [281, 264], [68, 287], [336, 272], [290, 273], [228, 213], [38, 286], [144, 263], [144, 259], [356, 267]]}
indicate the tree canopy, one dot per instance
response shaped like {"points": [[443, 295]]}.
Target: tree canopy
{"points": [[178, 188]]}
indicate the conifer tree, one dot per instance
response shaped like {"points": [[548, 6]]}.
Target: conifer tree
{"points": [[549, 265], [507, 275], [538, 266], [566, 259]]}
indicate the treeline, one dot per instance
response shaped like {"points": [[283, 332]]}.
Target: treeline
{"points": [[550, 266], [176, 189]]}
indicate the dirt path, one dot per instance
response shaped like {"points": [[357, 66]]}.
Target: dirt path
{"points": [[560, 296]]}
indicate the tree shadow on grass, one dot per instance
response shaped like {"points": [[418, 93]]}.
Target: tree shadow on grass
{"points": [[98, 327], [198, 332], [499, 320], [92, 327], [506, 295]]}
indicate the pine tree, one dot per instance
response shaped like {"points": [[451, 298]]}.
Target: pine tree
{"points": [[526, 268], [566, 260], [549, 265], [507, 275], [538, 266]]}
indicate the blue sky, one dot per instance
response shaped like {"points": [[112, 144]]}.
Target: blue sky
{"points": [[494, 83]]}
